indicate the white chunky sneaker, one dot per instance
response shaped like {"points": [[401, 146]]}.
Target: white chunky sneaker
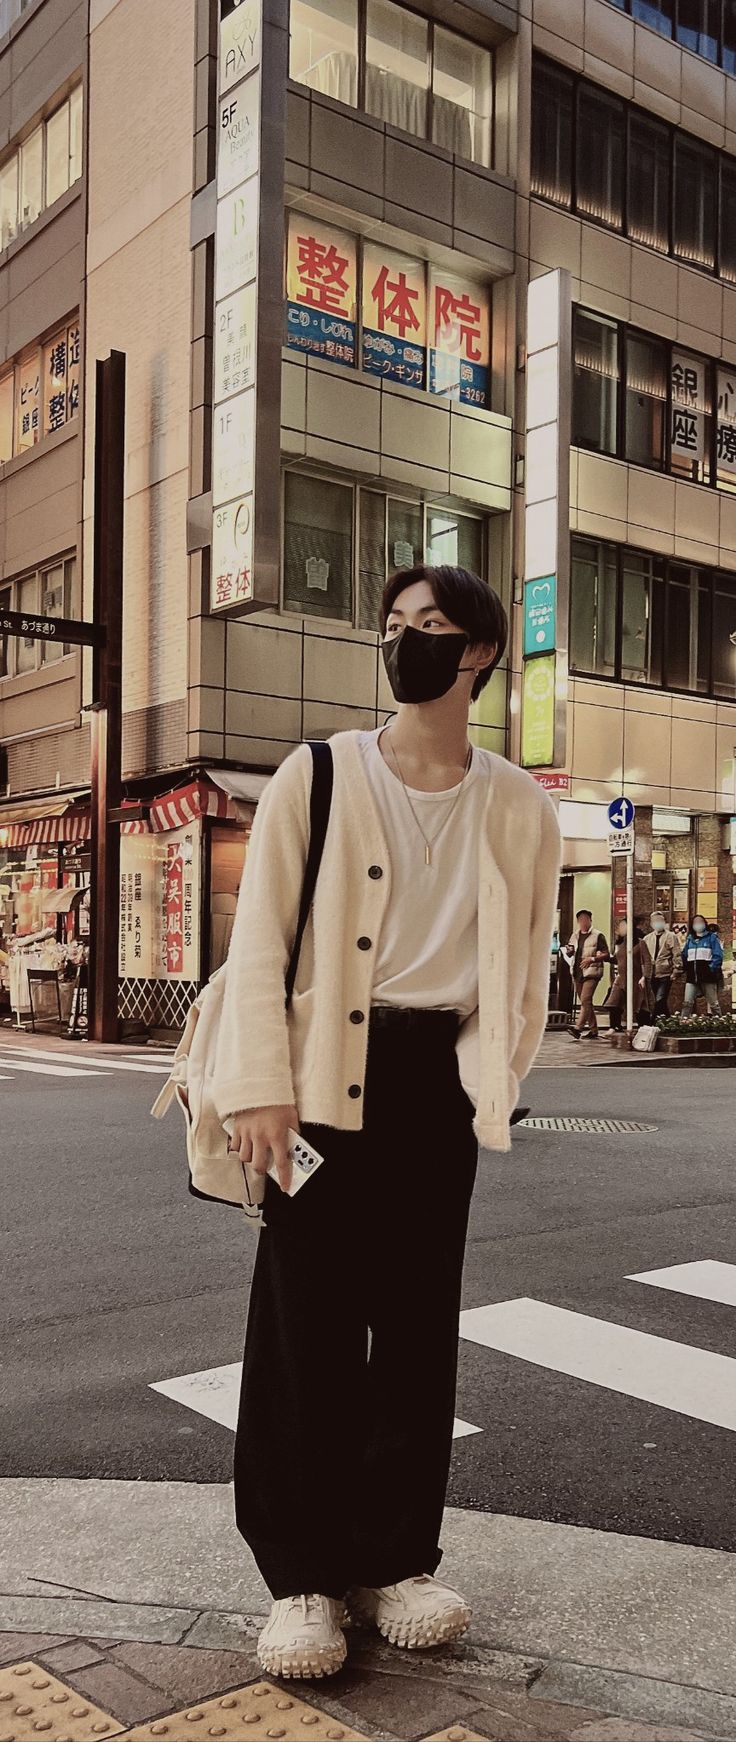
{"points": [[303, 1637], [416, 1613]]}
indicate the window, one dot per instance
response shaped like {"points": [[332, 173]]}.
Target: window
{"points": [[75, 135], [6, 416], [698, 27], [405, 534], [695, 203], [646, 399], [642, 618], [600, 157], [9, 201], [26, 651], [48, 592], [724, 636], [456, 539], [658, 14], [649, 183], [726, 428], [705, 27], [31, 179], [27, 403], [595, 382], [318, 547], [61, 378], [40, 392], [692, 417], [57, 154], [728, 56], [372, 567], [55, 602], [645, 620], [687, 657], [398, 66], [593, 591], [552, 117], [728, 219], [40, 170]]}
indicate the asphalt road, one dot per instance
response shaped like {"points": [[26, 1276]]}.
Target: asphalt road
{"points": [[113, 1278]]}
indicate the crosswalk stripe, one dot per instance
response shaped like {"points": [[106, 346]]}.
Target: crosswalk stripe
{"points": [[45, 1070], [8, 1055], [706, 1279], [215, 1392], [690, 1381]]}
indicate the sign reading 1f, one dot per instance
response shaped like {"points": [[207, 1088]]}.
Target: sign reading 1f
{"points": [[621, 813]]}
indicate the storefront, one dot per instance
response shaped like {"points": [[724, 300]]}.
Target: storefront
{"points": [[44, 905]]}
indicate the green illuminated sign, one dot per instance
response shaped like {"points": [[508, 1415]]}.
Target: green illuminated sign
{"points": [[538, 712]]}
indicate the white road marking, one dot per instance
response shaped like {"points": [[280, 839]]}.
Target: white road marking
{"points": [[47, 1070], [215, 1392], [689, 1381], [9, 1055], [706, 1279]]}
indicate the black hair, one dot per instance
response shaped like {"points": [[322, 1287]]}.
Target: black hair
{"points": [[583, 912], [693, 918], [465, 599]]}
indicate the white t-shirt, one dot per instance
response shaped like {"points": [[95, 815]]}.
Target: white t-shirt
{"points": [[427, 955]]}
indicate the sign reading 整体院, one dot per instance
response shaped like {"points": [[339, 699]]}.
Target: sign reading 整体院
{"points": [[253, 58]]}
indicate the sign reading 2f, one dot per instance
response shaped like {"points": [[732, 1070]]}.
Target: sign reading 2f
{"points": [[621, 813]]}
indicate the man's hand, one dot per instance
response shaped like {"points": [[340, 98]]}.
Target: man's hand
{"points": [[261, 1134]]}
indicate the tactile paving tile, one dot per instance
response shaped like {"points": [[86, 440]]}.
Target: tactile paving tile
{"points": [[258, 1710], [35, 1707], [457, 1733]]}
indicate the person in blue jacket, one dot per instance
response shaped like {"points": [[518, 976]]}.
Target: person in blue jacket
{"points": [[702, 956]]}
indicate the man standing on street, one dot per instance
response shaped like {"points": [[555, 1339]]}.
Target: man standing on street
{"points": [[587, 952], [661, 961], [421, 999]]}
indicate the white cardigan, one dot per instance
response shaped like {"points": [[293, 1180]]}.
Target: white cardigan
{"points": [[312, 1056]]}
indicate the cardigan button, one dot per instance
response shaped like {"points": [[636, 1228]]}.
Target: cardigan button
{"points": [[375, 871], [355, 1091], [364, 944], [357, 1016]]}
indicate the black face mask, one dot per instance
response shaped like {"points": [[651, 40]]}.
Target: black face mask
{"points": [[421, 666]]}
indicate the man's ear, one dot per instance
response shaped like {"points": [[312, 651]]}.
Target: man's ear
{"points": [[483, 655]]}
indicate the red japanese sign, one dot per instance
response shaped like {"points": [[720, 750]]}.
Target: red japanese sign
{"points": [[394, 315], [459, 338], [321, 281]]}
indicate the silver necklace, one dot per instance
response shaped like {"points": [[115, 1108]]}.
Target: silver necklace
{"points": [[429, 845]]}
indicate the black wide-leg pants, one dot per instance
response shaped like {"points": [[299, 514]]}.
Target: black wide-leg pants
{"points": [[348, 1394]]}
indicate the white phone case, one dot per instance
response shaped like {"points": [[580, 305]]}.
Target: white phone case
{"points": [[305, 1161]]}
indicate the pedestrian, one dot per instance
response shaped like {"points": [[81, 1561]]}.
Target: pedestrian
{"points": [[702, 954], [587, 952], [422, 990], [616, 1002], [662, 961]]}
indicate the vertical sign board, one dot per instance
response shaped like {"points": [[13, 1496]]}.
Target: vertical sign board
{"points": [[459, 338], [321, 289], [394, 315], [246, 431], [546, 522]]}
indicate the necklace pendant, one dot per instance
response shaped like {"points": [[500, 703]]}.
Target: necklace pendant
{"points": [[427, 854]]}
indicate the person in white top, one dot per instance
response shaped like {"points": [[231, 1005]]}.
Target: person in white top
{"points": [[348, 1395]]}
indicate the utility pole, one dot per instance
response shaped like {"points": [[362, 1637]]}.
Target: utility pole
{"points": [[106, 709]]}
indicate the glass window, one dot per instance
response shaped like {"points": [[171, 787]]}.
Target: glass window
{"points": [[31, 178], [54, 603], [692, 417], [642, 618], [318, 547], [27, 402], [6, 604], [724, 636], [595, 383], [726, 428], [6, 416], [72, 368], [462, 89], [728, 49], [57, 154], [593, 594], [9, 201], [649, 183], [371, 558], [658, 14], [405, 535], [26, 656], [75, 135], [600, 157], [687, 658], [55, 372], [698, 26], [552, 98], [695, 203], [646, 398], [456, 539], [727, 264], [397, 67], [323, 47]]}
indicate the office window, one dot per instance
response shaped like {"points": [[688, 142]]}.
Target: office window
{"points": [[452, 538], [552, 114], [695, 203], [649, 183], [323, 47], [724, 636], [9, 201], [600, 157], [728, 50], [726, 428], [692, 416], [397, 66], [318, 547], [31, 178], [657, 14], [6, 416], [27, 402], [371, 557], [699, 26], [57, 154], [462, 96], [405, 534], [728, 219], [593, 596], [26, 652], [76, 142], [55, 382], [595, 383], [687, 650], [56, 594], [646, 400], [49, 593], [642, 617]]}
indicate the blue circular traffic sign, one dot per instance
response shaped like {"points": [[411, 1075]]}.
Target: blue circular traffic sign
{"points": [[621, 813]]}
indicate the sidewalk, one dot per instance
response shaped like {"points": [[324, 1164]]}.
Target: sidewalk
{"points": [[138, 1603]]}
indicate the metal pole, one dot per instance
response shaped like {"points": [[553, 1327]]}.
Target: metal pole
{"points": [[630, 942], [107, 714]]}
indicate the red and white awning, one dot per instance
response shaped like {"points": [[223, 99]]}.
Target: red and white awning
{"points": [[175, 809], [51, 831]]}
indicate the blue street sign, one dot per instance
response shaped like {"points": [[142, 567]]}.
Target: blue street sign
{"points": [[621, 813]]}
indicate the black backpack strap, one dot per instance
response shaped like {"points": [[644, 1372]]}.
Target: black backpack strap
{"points": [[319, 815]]}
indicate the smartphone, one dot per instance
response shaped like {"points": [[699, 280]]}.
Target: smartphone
{"points": [[305, 1161]]}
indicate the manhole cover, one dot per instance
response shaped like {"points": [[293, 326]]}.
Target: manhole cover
{"points": [[602, 1127]]}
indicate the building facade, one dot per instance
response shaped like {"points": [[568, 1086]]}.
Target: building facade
{"points": [[499, 330]]}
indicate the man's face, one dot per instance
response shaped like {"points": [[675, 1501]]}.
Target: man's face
{"points": [[585, 923], [417, 608]]}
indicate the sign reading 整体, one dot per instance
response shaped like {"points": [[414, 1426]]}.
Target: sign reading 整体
{"points": [[321, 289], [253, 58], [394, 315]]}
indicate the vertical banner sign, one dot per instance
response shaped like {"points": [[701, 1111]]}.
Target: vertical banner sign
{"points": [[726, 427], [246, 429], [459, 338], [546, 522], [394, 316], [688, 407], [321, 289]]}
